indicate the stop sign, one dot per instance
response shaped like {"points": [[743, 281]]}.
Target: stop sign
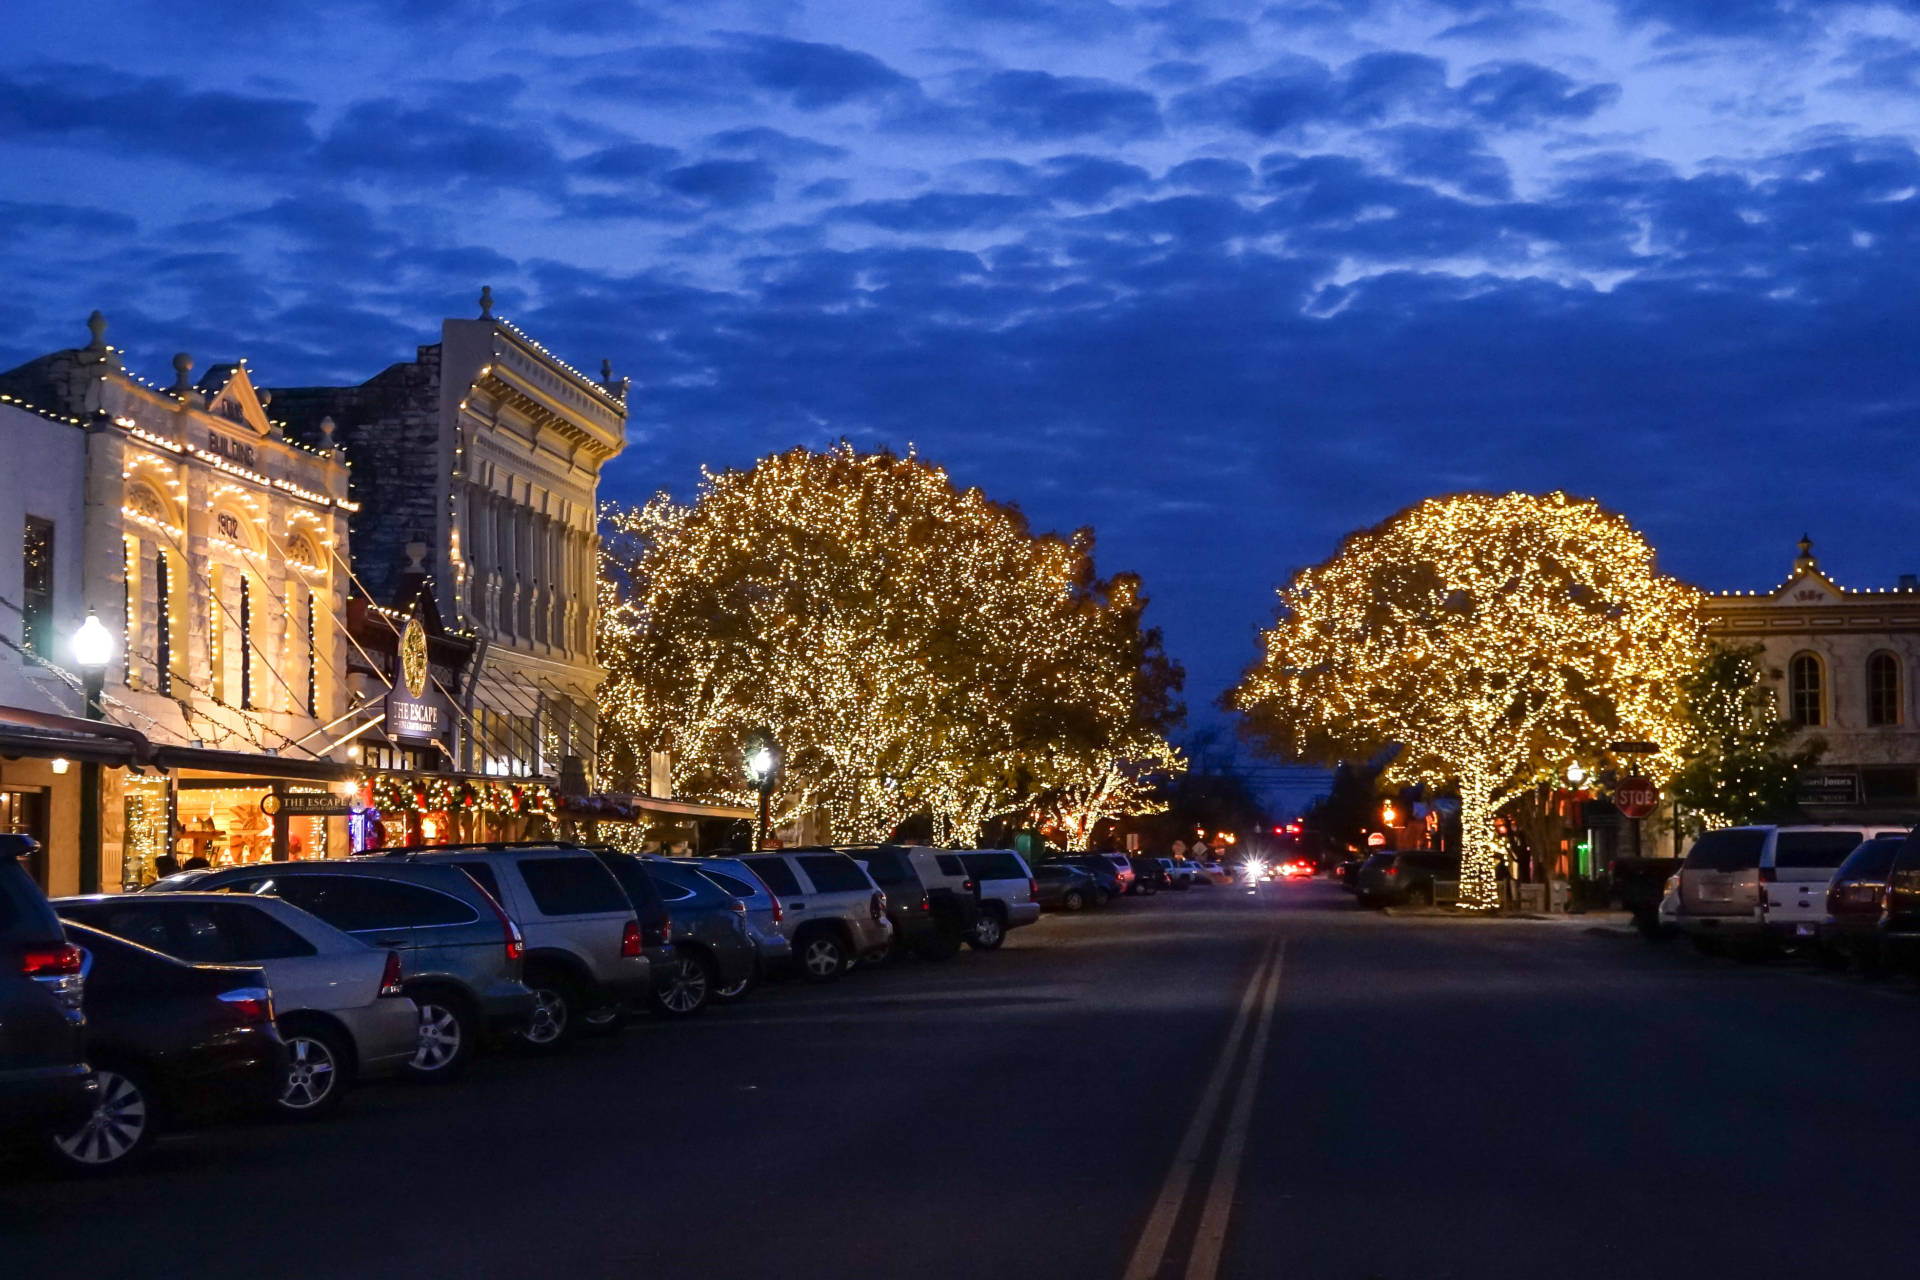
{"points": [[1636, 797]]}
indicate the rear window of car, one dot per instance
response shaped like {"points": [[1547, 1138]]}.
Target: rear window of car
{"points": [[732, 884], [833, 873], [1804, 849], [483, 876], [950, 864], [685, 883], [778, 875], [887, 866], [994, 866], [1872, 860], [572, 886], [1734, 849], [358, 904]]}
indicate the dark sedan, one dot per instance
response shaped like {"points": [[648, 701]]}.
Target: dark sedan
{"points": [[1064, 888], [1856, 896], [710, 939], [172, 1045], [1149, 877], [43, 1070], [1106, 876]]}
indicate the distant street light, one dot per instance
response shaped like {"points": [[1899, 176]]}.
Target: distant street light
{"points": [[92, 652], [1388, 814], [763, 765], [1575, 775]]}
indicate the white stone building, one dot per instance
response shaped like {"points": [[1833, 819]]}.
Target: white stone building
{"points": [[1844, 663]]}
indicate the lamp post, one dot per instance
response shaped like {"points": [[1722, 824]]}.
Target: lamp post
{"points": [[92, 651], [763, 764]]}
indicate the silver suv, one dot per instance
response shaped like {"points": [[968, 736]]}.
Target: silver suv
{"points": [[1009, 896], [584, 959], [835, 913]]}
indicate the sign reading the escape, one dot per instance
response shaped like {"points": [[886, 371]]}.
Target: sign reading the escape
{"points": [[1636, 797], [304, 803], [415, 711]]}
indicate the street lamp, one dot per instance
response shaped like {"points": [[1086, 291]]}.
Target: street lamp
{"points": [[763, 764], [92, 651], [1575, 775], [1388, 814]]}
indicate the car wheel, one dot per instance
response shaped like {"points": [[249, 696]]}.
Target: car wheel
{"points": [[556, 1012], [737, 991], [689, 990], [447, 1035], [1074, 900], [823, 957], [119, 1130], [315, 1075], [989, 933]]}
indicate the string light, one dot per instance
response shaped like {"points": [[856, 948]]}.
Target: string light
{"points": [[1491, 638], [912, 647]]}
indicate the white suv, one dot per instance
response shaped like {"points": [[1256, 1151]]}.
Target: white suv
{"points": [[833, 911], [1763, 884], [1009, 897]]}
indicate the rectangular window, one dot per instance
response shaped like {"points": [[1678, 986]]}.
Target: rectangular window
{"points": [[994, 866], [778, 876], [163, 623], [129, 610], [36, 587], [246, 642], [1804, 850], [572, 886], [834, 873]]}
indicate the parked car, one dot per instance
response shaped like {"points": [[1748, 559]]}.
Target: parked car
{"points": [[930, 897], [585, 962], [461, 955], [1900, 919], [1008, 895], [44, 1077], [834, 913], [1348, 873], [1415, 877], [1123, 868], [1759, 887], [338, 1003], [771, 947], [1106, 877], [1640, 885], [1216, 872], [1856, 899], [1064, 888], [710, 939], [1149, 877], [1180, 875], [656, 922], [172, 1045]]}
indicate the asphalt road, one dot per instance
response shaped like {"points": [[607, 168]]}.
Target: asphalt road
{"points": [[1207, 1083]]}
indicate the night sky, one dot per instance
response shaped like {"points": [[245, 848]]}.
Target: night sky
{"points": [[1222, 279]]}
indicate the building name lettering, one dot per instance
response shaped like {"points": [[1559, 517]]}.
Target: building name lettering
{"points": [[232, 450]]}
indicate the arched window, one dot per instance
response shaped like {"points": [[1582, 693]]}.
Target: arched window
{"points": [[1806, 690], [1883, 689]]}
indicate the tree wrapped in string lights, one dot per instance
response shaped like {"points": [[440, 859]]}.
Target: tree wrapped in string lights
{"points": [[1492, 640], [912, 646]]}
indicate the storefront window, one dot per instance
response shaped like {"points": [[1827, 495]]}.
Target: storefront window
{"points": [[24, 812], [145, 801]]}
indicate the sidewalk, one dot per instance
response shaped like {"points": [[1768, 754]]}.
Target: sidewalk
{"points": [[1620, 922]]}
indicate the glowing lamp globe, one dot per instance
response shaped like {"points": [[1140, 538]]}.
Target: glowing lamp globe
{"points": [[760, 764], [92, 645]]}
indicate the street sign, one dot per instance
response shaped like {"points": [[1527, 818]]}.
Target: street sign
{"points": [[1635, 796], [305, 803]]}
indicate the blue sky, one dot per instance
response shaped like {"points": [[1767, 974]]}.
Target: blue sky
{"points": [[1221, 279]]}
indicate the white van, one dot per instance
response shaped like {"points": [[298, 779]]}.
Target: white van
{"points": [[1764, 883]]}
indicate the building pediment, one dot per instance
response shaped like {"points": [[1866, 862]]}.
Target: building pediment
{"points": [[1808, 587], [231, 395]]}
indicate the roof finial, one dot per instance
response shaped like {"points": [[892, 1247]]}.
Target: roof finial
{"points": [[97, 326], [606, 368], [486, 302], [1804, 562], [182, 373]]}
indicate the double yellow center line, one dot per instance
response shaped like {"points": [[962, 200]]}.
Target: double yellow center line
{"points": [[1203, 1262]]}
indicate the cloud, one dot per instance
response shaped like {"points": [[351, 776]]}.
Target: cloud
{"points": [[1506, 26], [1090, 180], [1517, 95], [815, 76], [1455, 156], [388, 139], [20, 220], [1210, 173], [1037, 105], [624, 161], [726, 184], [1882, 66], [937, 211], [104, 108], [771, 144]]}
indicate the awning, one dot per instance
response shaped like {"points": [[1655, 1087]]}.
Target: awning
{"points": [[41, 735], [44, 744], [613, 806], [249, 765]]}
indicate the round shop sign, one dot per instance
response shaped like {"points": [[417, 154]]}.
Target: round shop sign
{"points": [[413, 657], [1635, 796]]}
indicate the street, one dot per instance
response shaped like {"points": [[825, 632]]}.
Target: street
{"points": [[1404, 1098]]}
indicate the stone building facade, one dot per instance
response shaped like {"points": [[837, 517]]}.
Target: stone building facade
{"points": [[1843, 664], [478, 464], [213, 548]]}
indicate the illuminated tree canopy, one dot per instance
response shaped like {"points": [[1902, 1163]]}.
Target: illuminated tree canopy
{"points": [[1493, 640], [912, 646]]}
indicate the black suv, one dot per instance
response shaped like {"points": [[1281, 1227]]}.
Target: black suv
{"points": [[1900, 919], [930, 897], [44, 1079], [1419, 877]]}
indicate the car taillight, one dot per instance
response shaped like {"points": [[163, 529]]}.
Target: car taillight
{"points": [[630, 939], [390, 980], [738, 906], [255, 1004], [968, 886], [1391, 871], [877, 905], [62, 961], [1033, 888], [509, 931], [926, 904], [779, 912], [1768, 875]]}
